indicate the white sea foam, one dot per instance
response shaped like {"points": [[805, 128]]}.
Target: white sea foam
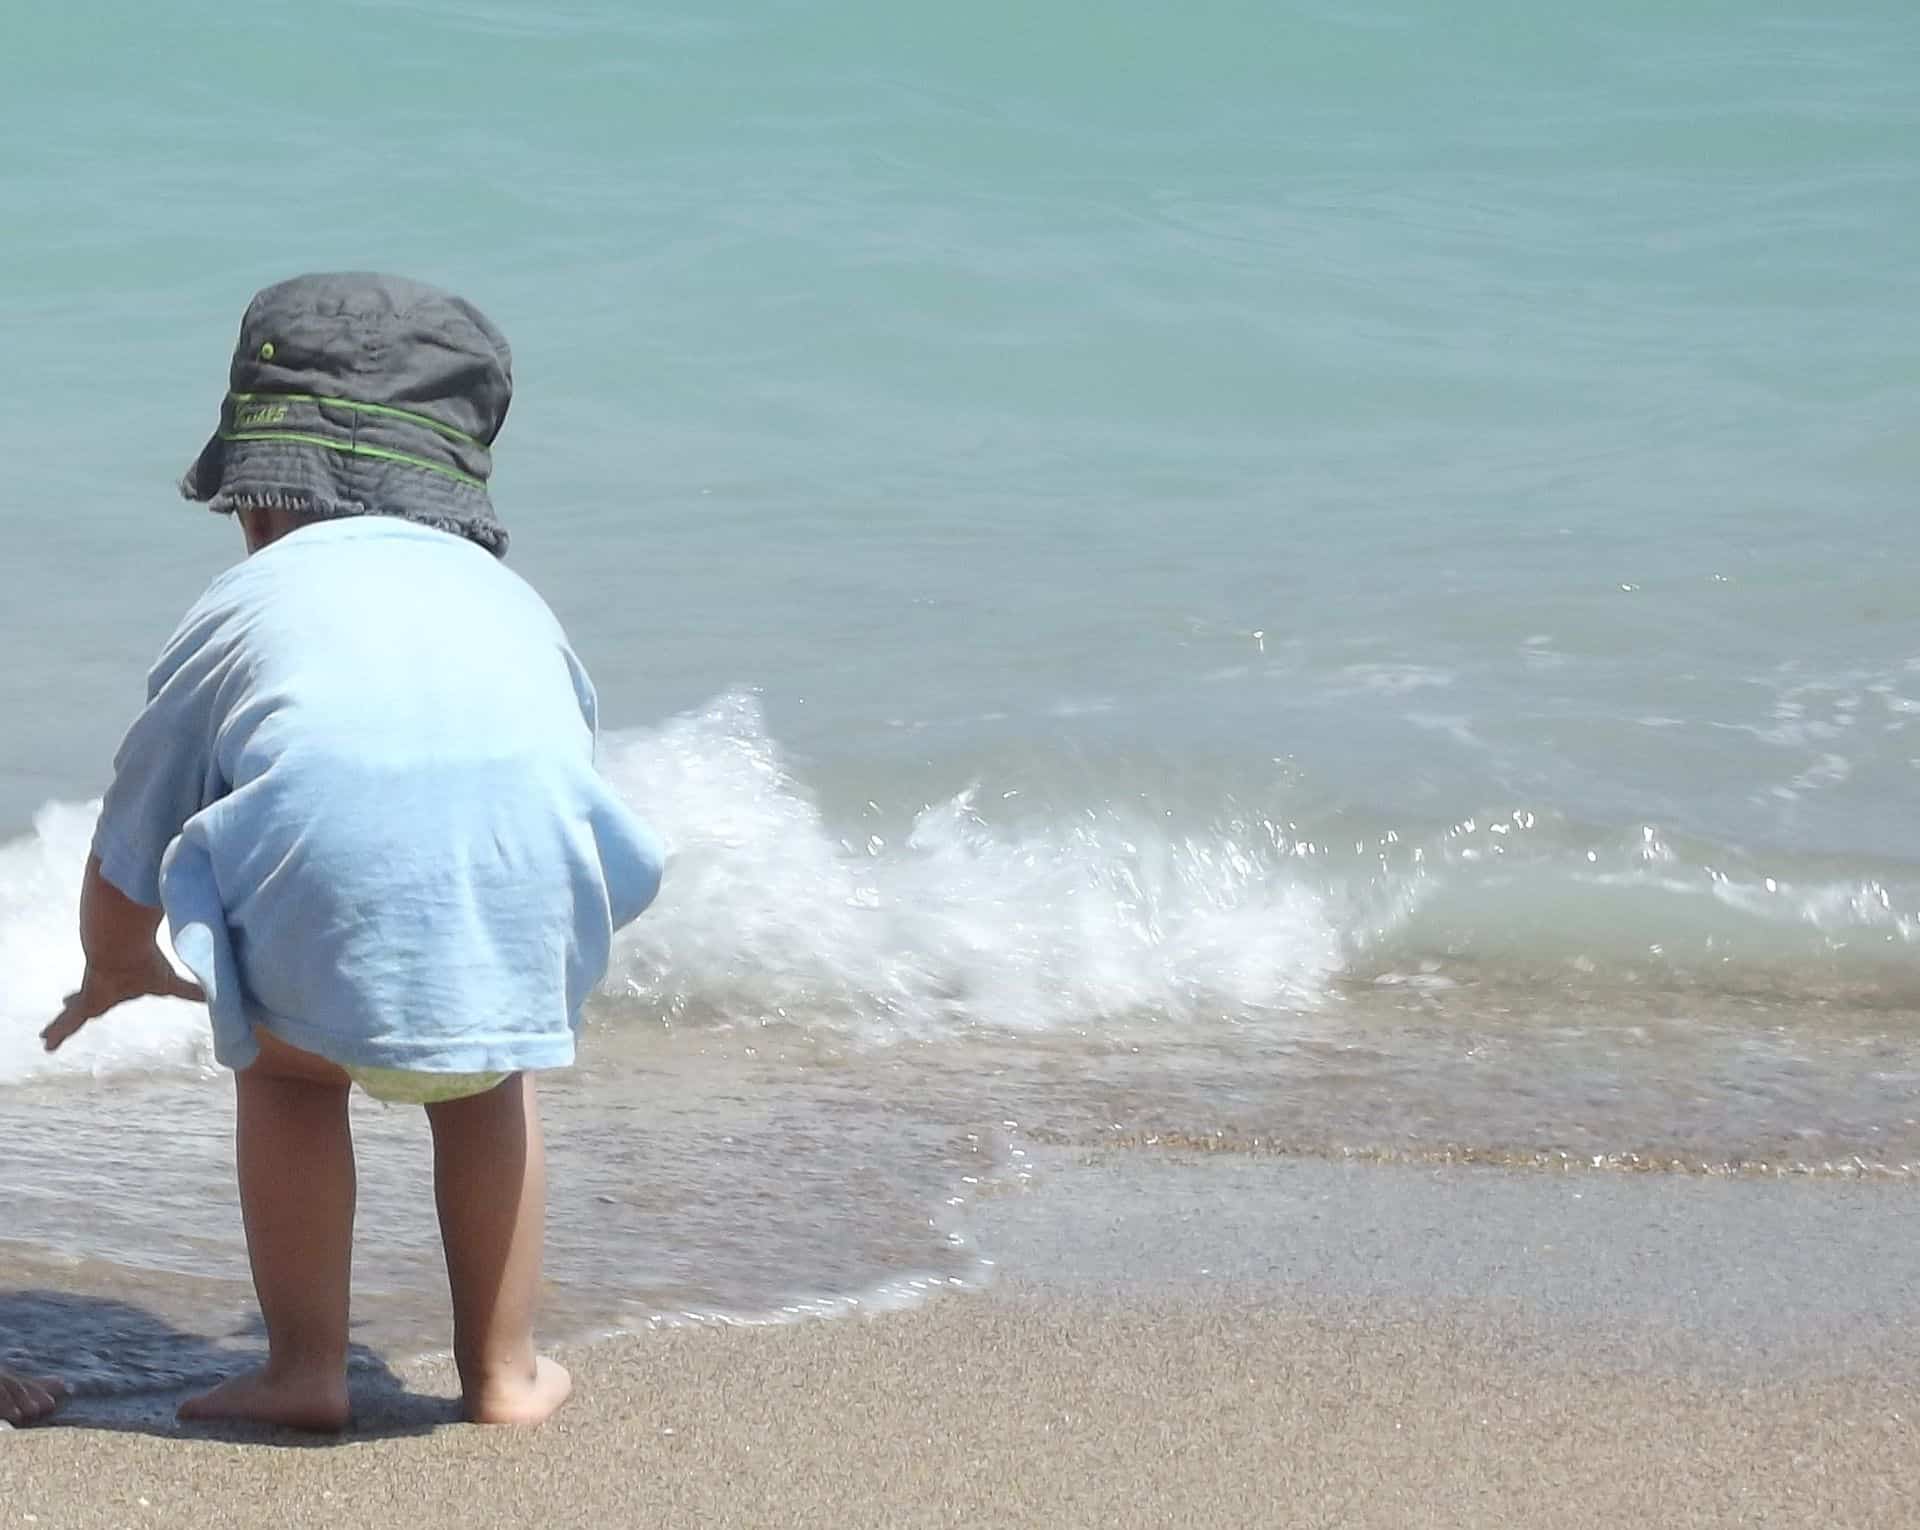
{"points": [[770, 914], [966, 916], [972, 918], [40, 964]]}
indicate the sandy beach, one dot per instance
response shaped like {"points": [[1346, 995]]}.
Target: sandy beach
{"points": [[1297, 1344]]}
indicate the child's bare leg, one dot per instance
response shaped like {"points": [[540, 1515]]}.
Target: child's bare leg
{"points": [[490, 1183], [295, 1153]]}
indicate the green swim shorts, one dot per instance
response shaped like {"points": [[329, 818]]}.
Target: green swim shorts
{"points": [[401, 1086]]}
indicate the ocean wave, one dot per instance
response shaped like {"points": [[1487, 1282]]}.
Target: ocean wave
{"points": [[976, 916], [969, 915], [774, 914]]}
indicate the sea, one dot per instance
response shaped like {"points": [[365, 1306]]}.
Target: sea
{"points": [[1275, 578]]}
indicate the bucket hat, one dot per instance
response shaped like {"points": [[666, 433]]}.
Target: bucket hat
{"points": [[358, 394]]}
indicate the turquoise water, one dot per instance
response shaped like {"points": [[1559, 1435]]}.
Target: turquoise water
{"points": [[1331, 574]]}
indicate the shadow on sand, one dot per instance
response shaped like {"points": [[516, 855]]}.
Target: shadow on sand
{"points": [[129, 1369]]}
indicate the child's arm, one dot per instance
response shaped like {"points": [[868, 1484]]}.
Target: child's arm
{"points": [[163, 774], [118, 937]]}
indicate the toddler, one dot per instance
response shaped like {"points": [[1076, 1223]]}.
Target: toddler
{"points": [[362, 792]]}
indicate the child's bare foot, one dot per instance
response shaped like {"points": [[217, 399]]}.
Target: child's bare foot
{"points": [[313, 1399], [521, 1401], [28, 1399]]}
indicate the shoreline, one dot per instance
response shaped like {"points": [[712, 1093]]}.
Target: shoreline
{"points": [[1177, 1341], [1033, 1410]]}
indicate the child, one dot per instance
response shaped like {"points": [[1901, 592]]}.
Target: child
{"points": [[363, 793]]}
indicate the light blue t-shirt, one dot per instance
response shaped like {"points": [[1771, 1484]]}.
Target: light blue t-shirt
{"points": [[363, 790]]}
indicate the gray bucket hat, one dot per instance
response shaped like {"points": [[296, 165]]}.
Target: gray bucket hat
{"points": [[356, 394]]}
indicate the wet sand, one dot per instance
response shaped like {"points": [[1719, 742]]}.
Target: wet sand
{"points": [[1209, 1343]]}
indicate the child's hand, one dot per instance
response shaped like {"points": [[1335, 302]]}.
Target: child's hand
{"points": [[102, 988]]}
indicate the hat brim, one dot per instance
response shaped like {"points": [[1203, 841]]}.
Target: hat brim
{"points": [[327, 478]]}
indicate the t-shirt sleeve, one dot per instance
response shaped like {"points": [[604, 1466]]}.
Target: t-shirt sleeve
{"points": [[166, 770], [584, 694]]}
